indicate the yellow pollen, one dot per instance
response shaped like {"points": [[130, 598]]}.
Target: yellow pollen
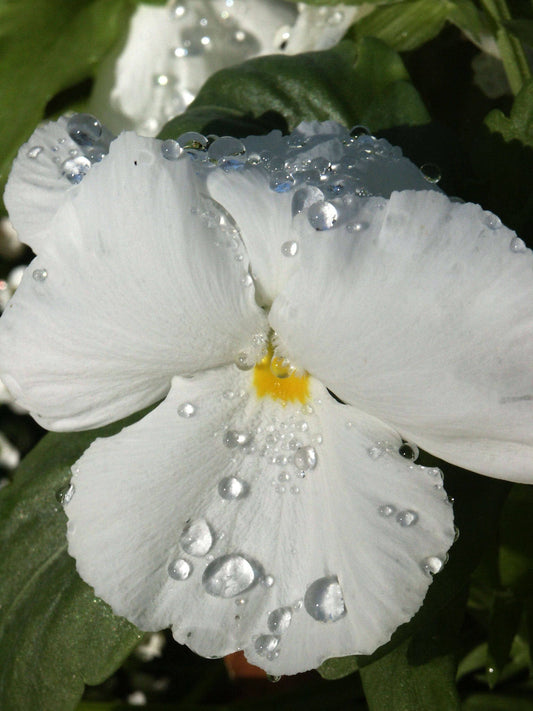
{"points": [[273, 377]]}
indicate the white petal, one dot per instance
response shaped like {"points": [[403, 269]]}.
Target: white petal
{"points": [[425, 320], [171, 51], [157, 495], [321, 27], [37, 186], [128, 290]]}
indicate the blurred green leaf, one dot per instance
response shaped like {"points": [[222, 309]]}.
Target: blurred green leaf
{"points": [[523, 29], [365, 83], [48, 46], [468, 18], [514, 701], [338, 668], [54, 634], [516, 549], [503, 625]]}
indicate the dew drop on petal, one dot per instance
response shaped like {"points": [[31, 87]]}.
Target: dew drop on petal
{"points": [[305, 458], [266, 644], [289, 249], [322, 215], [74, 169], [84, 129], [268, 581], [237, 438], [64, 494], [171, 150], [386, 510], [517, 245], [227, 151], [408, 451], [304, 197], [228, 576], [35, 151], [324, 601], [432, 565], [431, 172], [407, 518], [40, 274], [243, 361], [231, 488], [359, 130], [186, 409], [279, 620], [492, 221], [281, 182], [193, 141], [197, 538], [179, 569]]}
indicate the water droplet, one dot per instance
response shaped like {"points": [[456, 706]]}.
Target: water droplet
{"points": [[324, 601], [492, 221], [282, 182], [179, 569], [376, 451], [322, 215], [64, 494], [35, 151], [294, 490], [409, 451], [266, 644], [305, 458], [197, 538], [517, 245], [357, 226], [407, 518], [84, 129], [193, 141], [228, 152], [74, 169], [231, 488], [236, 438], [40, 274], [171, 150], [243, 361], [289, 249], [186, 409], [228, 576], [386, 510], [268, 581], [279, 620], [160, 79], [432, 565], [240, 601], [431, 172], [304, 197], [247, 280], [359, 130]]}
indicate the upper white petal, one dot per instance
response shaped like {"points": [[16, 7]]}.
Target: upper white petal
{"points": [[157, 494], [129, 288], [425, 320], [321, 27]]}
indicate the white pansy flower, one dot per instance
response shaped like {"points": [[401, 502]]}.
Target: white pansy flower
{"points": [[171, 50], [307, 308]]}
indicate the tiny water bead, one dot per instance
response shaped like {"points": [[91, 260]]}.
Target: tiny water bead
{"points": [[197, 538], [268, 581], [492, 221], [431, 172], [244, 361], [387, 510], [289, 249], [40, 275], [266, 644], [322, 215], [84, 129], [305, 458], [282, 182], [228, 576], [432, 565], [237, 438], [179, 569], [231, 488], [409, 451], [74, 169], [186, 410], [407, 518], [279, 620], [35, 151], [64, 494], [171, 150], [517, 245], [275, 378], [324, 601], [359, 130]]}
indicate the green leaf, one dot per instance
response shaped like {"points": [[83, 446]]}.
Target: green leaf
{"points": [[523, 29], [48, 46], [516, 549], [365, 83], [468, 18], [338, 668], [403, 26], [54, 634], [499, 702], [504, 620]]}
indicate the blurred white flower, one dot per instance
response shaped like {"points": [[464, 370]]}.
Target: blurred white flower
{"points": [[306, 308], [170, 51]]}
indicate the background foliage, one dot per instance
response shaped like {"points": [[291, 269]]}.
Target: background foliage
{"points": [[406, 71]]}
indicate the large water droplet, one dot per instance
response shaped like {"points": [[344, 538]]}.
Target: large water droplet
{"points": [[179, 569], [432, 565], [304, 197], [228, 576], [322, 215], [517, 245], [84, 129], [324, 601], [305, 458], [171, 150], [359, 130], [231, 488], [186, 409], [266, 644], [407, 518], [279, 620], [228, 152], [431, 172], [193, 141], [409, 451], [289, 249], [492, 221], [244, 361], [74, 169], [236, 438], [197, 538]]}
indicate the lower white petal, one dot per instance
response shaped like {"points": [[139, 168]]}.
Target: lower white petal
{"points": [[295, 532]]}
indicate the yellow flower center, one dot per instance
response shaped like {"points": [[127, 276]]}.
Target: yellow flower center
{"points": [[272, 376]]}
